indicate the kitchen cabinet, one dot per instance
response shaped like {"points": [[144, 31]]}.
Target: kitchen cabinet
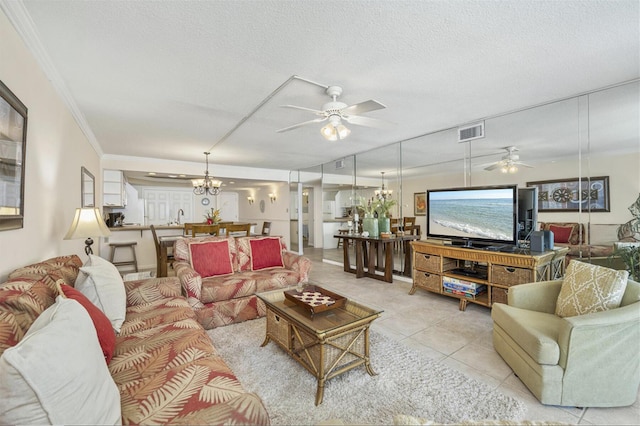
{"points": [[113, 194]]}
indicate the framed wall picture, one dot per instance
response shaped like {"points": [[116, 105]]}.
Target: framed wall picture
{"points": [[13, 144], [419, 203], [88, 188], [571, 195]]}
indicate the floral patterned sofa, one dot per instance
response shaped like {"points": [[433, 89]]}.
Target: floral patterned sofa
{"points": [[164, 368], [221, 275]]}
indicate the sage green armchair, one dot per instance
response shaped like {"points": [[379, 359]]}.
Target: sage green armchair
{"points": [[590, 360]]}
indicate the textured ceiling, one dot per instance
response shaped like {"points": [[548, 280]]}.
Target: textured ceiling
{"points": [[171, 79]]}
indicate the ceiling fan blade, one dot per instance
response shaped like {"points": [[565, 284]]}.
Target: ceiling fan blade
{"points": [[315, 111], [304, 123], [367, 121], [493, 166], [362, 107], [523, 164]]}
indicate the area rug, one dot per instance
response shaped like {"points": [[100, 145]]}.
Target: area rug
{"points": [[407, 383]]}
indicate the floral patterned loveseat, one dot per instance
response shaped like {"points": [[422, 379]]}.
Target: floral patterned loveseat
{"points": [[164, 368], [221, 275]]}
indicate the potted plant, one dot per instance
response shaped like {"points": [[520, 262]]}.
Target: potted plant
{"points": [[630, 255], [369, 222]]}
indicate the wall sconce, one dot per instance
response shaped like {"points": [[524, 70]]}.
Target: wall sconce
{"points": [[272, 197], [250, 199]]}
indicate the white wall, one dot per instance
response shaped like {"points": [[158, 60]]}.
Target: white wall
{"points": [[277, 212], [56, 150]]}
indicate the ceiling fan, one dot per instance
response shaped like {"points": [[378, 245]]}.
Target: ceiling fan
{"points": [[509, 162], [335, 112]]}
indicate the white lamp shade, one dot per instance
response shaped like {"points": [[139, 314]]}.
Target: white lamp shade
{"points": [[87, 222]]}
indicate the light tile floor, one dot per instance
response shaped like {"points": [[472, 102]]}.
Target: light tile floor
{"points": [[433, 325]]}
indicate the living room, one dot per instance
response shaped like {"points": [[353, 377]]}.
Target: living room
{"points": [[59, 144]]}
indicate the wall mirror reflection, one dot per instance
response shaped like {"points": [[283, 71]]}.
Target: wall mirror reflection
{"points": [[591, 135], [88, 188]]}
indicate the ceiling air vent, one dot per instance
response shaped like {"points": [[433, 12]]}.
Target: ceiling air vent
{"points": [[339, 164], [468, 133]]}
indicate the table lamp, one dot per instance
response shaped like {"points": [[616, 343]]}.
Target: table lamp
{"points": [[87, 223]]}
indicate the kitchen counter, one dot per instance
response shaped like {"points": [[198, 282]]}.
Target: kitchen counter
{"points": [[337, 220]]}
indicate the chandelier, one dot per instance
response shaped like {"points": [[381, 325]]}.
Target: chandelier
{"points": [[382, 194], [208, 185]]}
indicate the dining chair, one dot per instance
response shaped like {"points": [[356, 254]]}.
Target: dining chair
{"points": [[266, 228], [223, 226], [203, 228], [156, 241], [408, 222], [239, 230]]}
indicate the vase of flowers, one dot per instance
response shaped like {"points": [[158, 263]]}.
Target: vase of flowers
{"points": [[383, 208], [370, 222], [212, 217]]}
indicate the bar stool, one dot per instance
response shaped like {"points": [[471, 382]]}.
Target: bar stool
{"points": [[132, 246]]}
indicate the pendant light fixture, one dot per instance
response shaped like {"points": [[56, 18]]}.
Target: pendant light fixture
{"points": [[382, 193], [208, 185]]}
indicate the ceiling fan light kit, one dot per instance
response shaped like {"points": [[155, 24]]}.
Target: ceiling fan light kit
{"points": [[335, 112], [335, 130], [509, 162], [208, 185]]}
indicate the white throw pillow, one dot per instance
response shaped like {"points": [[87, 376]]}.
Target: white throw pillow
{"points": [[56, 374], [102, 284]]}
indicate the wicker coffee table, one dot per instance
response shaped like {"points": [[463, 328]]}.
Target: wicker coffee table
{"points": [[327, 343]]}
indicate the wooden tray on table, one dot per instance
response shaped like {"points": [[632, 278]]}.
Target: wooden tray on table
{"points": [[315, 299]]}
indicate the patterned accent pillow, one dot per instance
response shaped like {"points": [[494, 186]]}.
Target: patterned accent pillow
{"points": [[181, 248], [244, 252], [266, 253], [211, 258], [588, 288]]}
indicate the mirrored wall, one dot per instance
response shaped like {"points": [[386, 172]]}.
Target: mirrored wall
{"points": [[561, 147]]}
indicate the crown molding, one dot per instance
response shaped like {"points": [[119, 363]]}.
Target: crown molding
{"points": [[24, 26]]}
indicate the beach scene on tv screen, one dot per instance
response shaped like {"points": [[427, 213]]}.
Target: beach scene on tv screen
{"points": [[486, 214]]}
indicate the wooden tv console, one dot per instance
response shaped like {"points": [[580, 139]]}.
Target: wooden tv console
{"points": [[498, 271]]}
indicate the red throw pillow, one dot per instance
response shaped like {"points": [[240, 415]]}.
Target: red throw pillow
{"points": [[104, 329], [211, 258], [561, 234], [266, 253]]}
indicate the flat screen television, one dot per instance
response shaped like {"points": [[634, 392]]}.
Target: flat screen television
{"points": [[481, 216], [527, 212]]}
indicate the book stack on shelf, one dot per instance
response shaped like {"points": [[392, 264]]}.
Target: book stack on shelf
{"points": [[462, 288]]}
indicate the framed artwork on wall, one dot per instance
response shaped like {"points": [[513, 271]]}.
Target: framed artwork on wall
{"points": [[419, 203], [13, 144], [571, 195]]}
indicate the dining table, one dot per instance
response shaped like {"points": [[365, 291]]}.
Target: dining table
{"points": [[376, 253]]}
